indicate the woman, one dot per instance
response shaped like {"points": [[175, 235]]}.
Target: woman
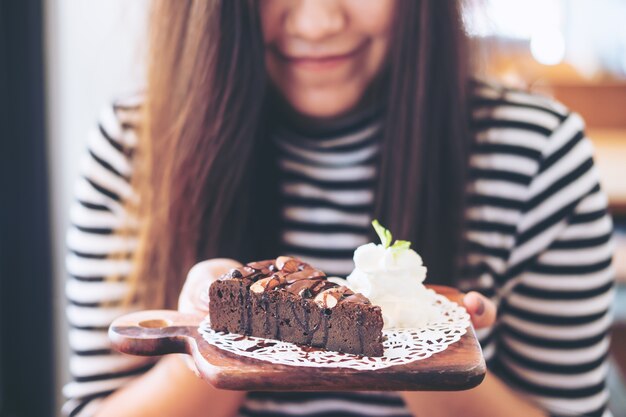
{"points": [[283, 126]]}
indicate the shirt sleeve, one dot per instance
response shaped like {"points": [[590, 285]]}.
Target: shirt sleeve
{"points": [[98, 264], [554, 315]]}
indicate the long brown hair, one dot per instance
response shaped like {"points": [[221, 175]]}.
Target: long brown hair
{"points": [[205, 173]]}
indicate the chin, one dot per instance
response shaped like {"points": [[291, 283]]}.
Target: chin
{"points": [[324, 105]]}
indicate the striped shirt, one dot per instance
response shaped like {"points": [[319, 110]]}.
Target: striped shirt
{"points": [[538, 234]]}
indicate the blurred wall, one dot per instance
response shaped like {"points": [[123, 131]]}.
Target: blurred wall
{"points": [[93, 54]]}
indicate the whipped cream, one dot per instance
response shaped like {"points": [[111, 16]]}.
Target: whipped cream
{"points": [[392, 278]]}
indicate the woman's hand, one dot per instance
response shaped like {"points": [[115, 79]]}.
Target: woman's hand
{"points": [[491, 398], [193, 298], [481, 309], [169, 389]]}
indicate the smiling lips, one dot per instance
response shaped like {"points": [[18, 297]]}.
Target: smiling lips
{"points": [[318, 62]]}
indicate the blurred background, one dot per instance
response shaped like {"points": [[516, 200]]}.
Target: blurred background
{"points": [[61, 61]]}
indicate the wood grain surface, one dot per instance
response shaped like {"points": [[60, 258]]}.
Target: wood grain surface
{"points": [[159, 332]]}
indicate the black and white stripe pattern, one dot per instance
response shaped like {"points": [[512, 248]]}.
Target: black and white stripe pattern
{"points": [[97, 282], [327, 183], [538, 233]]}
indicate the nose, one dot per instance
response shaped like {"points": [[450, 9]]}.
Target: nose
{"points": [[315, 20]]}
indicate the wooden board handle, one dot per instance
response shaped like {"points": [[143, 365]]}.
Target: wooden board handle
{"points": [[154, 332]]}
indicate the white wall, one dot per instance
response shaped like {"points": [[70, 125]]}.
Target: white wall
{"points": [[94, 53]]}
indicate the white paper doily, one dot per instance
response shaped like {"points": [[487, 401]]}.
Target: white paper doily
{"points": [[402, 346]]}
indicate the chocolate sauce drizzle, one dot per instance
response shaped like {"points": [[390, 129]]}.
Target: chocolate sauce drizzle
{"points": [[295, 276], [359, 328], [245, 323], [298, 278]]}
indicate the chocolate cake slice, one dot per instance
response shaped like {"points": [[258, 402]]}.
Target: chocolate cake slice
{"points": [[289, 300]]}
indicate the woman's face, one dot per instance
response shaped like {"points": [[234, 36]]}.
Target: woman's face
{"points": [[322, 54]]}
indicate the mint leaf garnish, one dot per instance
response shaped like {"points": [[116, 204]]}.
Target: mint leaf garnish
{"points": [[383, 234], [385, 238], [400, 245]]}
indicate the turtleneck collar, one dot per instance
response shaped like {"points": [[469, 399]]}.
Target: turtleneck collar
{"points": [[326, 128], [290, 123]]}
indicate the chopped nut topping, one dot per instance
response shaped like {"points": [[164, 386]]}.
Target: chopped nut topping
{"points": [[281, 260], [329, 298], [265, 284]]}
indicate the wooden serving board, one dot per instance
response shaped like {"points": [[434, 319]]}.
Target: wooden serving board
{"points": [[159, 332]]}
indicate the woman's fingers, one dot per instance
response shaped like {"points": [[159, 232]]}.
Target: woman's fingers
{"points": [[194, 295], [481, 309]]}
